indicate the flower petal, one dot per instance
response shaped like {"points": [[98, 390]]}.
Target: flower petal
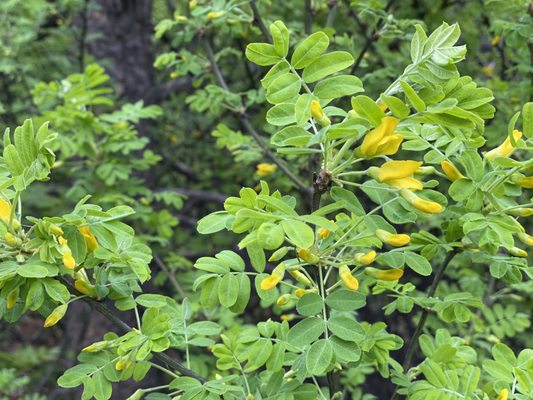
{"points": [[397, 169]]}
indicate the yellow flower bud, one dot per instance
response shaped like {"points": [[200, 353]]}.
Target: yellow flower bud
{"points": [[517, 252], [68, 261], [393, 239], [300, 277], [505, 149], [271, 281], [215, 14], [12, 240], [504, 395], [323, 233], [265, 169], [283, 299], [192, 4], [55, 316], [384, 275], [90, 239], [347, 278], [56, 230], [287, 317], [97, 346], [12, 298], [524, 181], [122, 364], [85, 287], [300, 292], [62, 241], [521, 212], [318, 113], [307, 256], [250, 397], [525, 238], [496, 40], [365, 258], [278, 254], [430, 207], [451, 171]]}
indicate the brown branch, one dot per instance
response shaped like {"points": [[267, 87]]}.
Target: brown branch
{"points": [[259, 21]]}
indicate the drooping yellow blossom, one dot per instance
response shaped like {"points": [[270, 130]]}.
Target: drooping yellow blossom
{"points": [[323, 233], [451, 171], [265, 169], [283, 299], [347, 278], [5, 210], [215, 14], [68, 261], [366, 258], [271, 281], [398, 174], [56, 230], [90, 239], [55, 316], [287, 317], [521, 212], [307, 256], [300, 277], [318, 113], [495, 40], [300, 292], [279, 254], [122, 363], [525, 238], [384, 275], [430, 207], [382, 141], [393, 239], [517, 252], [504, 395], [85, 287], [96, 346], [505, 149], [524, 181], [12, 298]]}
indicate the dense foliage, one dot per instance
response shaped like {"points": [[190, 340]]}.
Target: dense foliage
{"points": [[333, 199]]}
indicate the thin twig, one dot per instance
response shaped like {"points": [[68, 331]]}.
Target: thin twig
{"points": [[308, 17], [83, 35], [170, 275], [259, 21], [333, 4], [119, 323], [413, 345]]}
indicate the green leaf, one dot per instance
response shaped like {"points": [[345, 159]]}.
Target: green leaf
{"points": [[306, 331], [231, 259], [244, 294], [280, 36], [262, 54], [326, 65], [346, 300], [346, 328], [35, 296], [291, 136], [281, 114], [299, 233], [367, 108], [348, 198], [309, 304], [338, 86], [56, 290], [344, 350], [283, 88], [527, 120], [417, 44], [413, 97], [398, 108], [309, 50], [209, 294], [32, 271], [319, 357], [418, 263], [302, 109], [257, 256], [76, 242], [213, 222]]}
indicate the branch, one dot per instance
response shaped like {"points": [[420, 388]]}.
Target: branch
{"points": [[119, 323], [259, 21], [413, 345], [245, 122], [308, 17]]}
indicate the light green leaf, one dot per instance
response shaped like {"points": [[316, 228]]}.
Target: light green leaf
{"points": [[299, 233], [326, 65], [319, 357], [309, 50]]}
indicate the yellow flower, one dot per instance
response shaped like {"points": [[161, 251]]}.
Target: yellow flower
{"points": [[215, 14], [365, 258], [287, 317], [525, 238], [12, 298], [85, 287], [398, 174], [496, 40], [90, 239], [282, 300], [517, 252], [384, 275], [318, 113], [56, 230], [265, 169], [122, 363], [5, 210], [505, 149], [68, 261], [430, 207], [12, 240], [382, 140], [488, 70], [97, 346], [271, 281], [393, 239], [279, 254], [323, 233], [307, 256], [524, 181], [451, 171], [504, 395], [55, 316], [300, 277], [347, 278]]}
